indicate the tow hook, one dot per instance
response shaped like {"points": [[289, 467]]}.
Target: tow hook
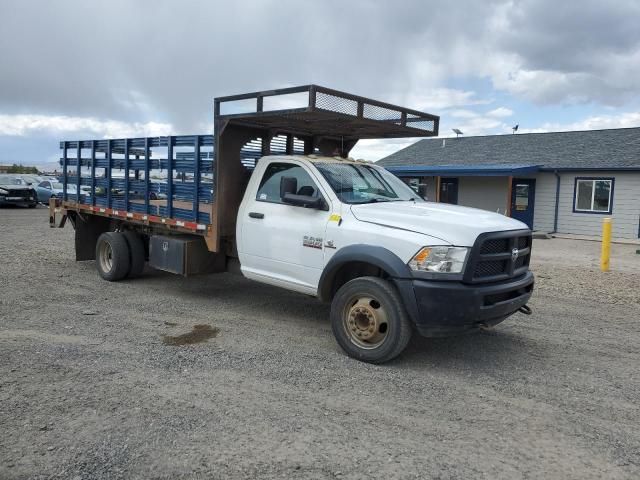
{"points": [[526, 309]]}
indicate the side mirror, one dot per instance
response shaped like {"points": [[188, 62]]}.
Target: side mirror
{"points": [[288, 185], [306, 201]]}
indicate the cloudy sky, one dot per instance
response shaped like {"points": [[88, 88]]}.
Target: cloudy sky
{"points": [[107, 69]]}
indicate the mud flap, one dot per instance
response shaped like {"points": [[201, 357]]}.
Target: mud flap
{"points": [[88, 229]]}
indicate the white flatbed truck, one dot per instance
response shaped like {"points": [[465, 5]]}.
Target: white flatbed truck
{"points": [[273, 195]]}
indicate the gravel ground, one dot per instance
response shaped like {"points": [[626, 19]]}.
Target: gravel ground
{"points": [[95, 384]]}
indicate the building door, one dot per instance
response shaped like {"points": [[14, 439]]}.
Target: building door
{"points": [[523, 194], [449, 190]]}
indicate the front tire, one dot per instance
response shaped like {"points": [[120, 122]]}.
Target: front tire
{"points": [[369, 320], [113, 257]]}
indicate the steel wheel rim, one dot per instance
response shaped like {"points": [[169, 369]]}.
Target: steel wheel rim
{"points": [[105, 257], [365, 321]]}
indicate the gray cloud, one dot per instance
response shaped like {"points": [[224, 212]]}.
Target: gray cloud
{"points": [[572, 37], [164, 61], [85, 58], [570, 52]]}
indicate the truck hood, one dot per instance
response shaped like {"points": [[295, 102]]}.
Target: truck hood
{"points": [[451, 223]]}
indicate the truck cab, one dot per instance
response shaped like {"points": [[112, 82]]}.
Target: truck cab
{"points": [[353, 234], [274, 195]]}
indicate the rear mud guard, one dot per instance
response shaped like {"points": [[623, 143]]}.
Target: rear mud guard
{"points": [[88, 228]]}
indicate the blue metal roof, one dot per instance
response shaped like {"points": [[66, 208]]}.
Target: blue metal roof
{"points": [[464, 170]]}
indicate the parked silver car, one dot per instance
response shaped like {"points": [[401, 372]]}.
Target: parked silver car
{"points": [[15, 191]]}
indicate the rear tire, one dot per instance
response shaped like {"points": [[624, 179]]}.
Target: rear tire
{"points": [[113, 257], [138, 254], [369, 320]]}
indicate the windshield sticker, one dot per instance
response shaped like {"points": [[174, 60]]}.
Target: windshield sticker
{"points": [[312, 242]]}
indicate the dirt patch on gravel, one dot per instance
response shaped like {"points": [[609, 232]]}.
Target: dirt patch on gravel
{"points": [[199, 334]]}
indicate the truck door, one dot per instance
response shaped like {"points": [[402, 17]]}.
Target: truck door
{"points": [[283, 244]]}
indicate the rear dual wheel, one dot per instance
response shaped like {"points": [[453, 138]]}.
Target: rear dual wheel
{"points": [[137, 253], [369, 320], [119, 255]]}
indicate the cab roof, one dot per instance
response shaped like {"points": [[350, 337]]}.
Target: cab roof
{"points": [[313, 158]]}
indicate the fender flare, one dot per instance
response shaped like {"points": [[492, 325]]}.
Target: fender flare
{"points": [[372, 254]]}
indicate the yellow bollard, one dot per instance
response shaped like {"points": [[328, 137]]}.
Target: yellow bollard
{"points": [[606, 245]]}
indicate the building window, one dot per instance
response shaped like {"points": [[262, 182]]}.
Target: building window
{"points": [[593, 195]]}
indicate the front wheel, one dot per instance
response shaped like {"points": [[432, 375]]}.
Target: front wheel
{"points": [[369, 320]]}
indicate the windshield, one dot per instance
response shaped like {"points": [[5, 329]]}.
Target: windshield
{"points": [[362, 183], [9, 180]]}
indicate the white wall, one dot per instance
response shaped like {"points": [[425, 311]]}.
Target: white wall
{"points": [[626, 206], [431, 188], [487, 193], [545, 202]]}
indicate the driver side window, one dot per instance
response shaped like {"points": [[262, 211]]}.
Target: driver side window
{"points": [[269, 190]]}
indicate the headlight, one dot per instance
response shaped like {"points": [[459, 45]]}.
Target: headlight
{"points": [[4, 192], [439, 259]]}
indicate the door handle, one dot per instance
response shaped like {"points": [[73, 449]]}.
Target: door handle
{"points": [[256, 215]]}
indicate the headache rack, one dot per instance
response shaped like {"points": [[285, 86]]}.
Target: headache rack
{"points": [[194, 183]]}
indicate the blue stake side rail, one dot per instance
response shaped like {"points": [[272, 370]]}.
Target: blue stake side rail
{"points": [[154, 180]]}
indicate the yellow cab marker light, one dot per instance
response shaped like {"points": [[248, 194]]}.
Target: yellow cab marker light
{"points": [[334, 217], [422, 255]]}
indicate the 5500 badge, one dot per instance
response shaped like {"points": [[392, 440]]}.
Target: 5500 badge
{"points": [[312, 242]]}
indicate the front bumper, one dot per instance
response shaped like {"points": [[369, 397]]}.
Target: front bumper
{"points": [[18, 201], [448, 308]]}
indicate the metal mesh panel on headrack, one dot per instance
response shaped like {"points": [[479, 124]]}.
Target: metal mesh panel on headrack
{"points": [[375, 112], [334, 103], [421, 123]]}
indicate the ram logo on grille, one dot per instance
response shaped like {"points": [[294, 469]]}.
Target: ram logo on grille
{"points": [[514, 254]]}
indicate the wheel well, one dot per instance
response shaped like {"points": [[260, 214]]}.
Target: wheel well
{"points": [[350, 270]]}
